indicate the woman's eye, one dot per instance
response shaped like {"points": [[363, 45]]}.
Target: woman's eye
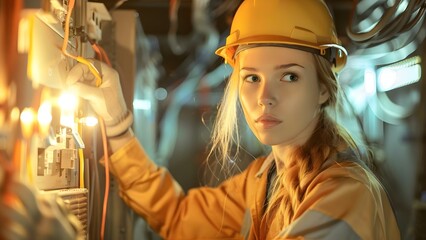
{"points": [[290, 77], [252, 78]]}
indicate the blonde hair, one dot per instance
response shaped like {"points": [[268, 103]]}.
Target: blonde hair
{"points": [[291, 184], [225, 141]]}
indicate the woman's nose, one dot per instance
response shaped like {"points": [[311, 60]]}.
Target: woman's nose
{"points": [[266, 97], [266, 102]]}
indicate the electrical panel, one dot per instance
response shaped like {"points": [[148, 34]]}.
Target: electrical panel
{"points": [[61, 146]]}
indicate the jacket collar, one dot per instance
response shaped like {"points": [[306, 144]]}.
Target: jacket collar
{"points": [[266, 164]]}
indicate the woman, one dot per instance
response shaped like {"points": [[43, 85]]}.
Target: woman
{"points": [[313, 184]]}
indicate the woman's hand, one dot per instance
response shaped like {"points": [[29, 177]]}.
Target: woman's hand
{"points": [[106, 100]]}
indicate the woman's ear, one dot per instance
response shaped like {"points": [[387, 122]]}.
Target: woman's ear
{"points": [[324, 94]]}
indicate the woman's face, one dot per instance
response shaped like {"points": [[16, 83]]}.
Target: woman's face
{"points": [[280, 94]]}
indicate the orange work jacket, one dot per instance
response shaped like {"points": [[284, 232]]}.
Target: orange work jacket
{"points": [[343, 202]]}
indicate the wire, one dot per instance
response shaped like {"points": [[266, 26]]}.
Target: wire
{"points": [[97, 51], [392, 24], [81, 156], [102, 55], [363, 36], [105, 147], [80, 59]]}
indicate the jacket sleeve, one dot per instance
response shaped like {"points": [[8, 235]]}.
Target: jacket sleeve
{"points": [[151, 191], [344, 203]]}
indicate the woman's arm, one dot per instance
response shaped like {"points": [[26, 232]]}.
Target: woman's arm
{"points": [[151, 191]]}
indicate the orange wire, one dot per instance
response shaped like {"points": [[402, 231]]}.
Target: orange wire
{"points": [[105, 146], [98, 52], [105, 56], [102, 55], [67, 29]]}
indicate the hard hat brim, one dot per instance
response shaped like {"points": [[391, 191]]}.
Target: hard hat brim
{"points": [[228, 51]]}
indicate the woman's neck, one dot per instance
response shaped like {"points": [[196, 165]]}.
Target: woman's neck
{"points": [[282, 156]]}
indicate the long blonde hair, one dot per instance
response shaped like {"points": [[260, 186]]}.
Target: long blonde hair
{"points": [[225, 142]]}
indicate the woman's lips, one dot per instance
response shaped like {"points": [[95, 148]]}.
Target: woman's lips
{"points": [[267, 121]]}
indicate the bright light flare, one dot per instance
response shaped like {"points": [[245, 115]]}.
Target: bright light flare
{"points": [[68, 104], [392, 78], [27, 122], [68, 101], [370, 81], [14, 114], [141, 104], [89, 121], [44, 117]]}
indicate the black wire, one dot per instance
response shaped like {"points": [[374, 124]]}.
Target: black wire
{"points": [[395, 28], [391, 29]]}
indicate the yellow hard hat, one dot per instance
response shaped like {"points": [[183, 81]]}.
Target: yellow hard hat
{"points": [[302, 24]]}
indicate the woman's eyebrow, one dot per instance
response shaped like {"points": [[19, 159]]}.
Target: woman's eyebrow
{"points": [[283, 66], [249, 69]]}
